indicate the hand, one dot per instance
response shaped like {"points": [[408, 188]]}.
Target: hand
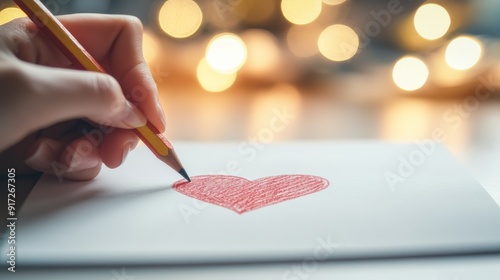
{"points": [[68, 122]]}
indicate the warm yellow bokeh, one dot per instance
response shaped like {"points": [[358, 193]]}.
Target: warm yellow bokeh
{"points": [[226, 53], [213, 80], [333, 2], [10, 13], [338, 42], [265, 108], [258, 61], [180, 18], [463, 52], [301, 11], [410, 73], [150, 47], [405, 119], [432, 21], [302, 39]]}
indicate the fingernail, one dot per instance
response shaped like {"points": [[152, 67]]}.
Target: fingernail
{"points": [[80, 159], [126, 149], [40, 158], [134, 118], [162, 115]]}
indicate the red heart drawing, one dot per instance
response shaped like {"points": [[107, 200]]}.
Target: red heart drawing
{"points": [[242, 195]]}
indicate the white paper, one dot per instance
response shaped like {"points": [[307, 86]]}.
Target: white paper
{"points": [[131, 215]]}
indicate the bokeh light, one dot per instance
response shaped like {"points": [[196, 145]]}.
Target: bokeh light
{"points": [[333, 2], [261, 62], [405, 119], [463, 52], [301, 11], [226, 53], [212, 80], [410, 73], [302, 39], [150, 47], [432, 21], [180, 18], [9, 14], [265, 106], [445, 76], [338, 42]]}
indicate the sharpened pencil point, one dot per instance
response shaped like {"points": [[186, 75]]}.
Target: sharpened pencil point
{"points": [[184, 174]]}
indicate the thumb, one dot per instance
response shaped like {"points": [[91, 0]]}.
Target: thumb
{"points": [[62, 94]]}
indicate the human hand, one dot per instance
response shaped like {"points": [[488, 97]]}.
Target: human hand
{"points": [[67, 122]]}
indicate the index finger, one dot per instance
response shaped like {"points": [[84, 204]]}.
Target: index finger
{"points": [[116, 42]]}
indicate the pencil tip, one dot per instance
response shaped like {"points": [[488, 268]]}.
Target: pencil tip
{"points": [[184, 174]]}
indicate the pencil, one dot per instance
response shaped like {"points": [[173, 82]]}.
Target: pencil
{"points": [[76, 53]]}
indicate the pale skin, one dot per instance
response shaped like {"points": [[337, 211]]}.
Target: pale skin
{"points": [[46, 105]]}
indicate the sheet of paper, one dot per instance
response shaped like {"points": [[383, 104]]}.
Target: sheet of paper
{"points": [[382, 200]]}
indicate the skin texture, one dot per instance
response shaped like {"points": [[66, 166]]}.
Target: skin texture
{"points": [[68, 122]]}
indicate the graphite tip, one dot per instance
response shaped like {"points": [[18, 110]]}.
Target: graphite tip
{"points": [[184, 174]]}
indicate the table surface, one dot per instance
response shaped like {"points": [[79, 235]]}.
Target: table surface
{"points": [[352, 107]]}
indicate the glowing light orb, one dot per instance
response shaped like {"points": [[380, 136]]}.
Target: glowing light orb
{"points": [[432, 21], [10, 13], [212, 80], [226, 53], [410, 73], [301, 11], [338, 42], [180, 18], [463, 53]]}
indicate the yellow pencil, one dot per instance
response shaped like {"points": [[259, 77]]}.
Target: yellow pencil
{"points": [[75, 52]]}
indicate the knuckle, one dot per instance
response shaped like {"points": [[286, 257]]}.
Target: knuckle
{"points": [[133, 23], [17, 35]]}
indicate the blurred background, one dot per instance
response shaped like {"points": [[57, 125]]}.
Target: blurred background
{"points": [[394, 70]]}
